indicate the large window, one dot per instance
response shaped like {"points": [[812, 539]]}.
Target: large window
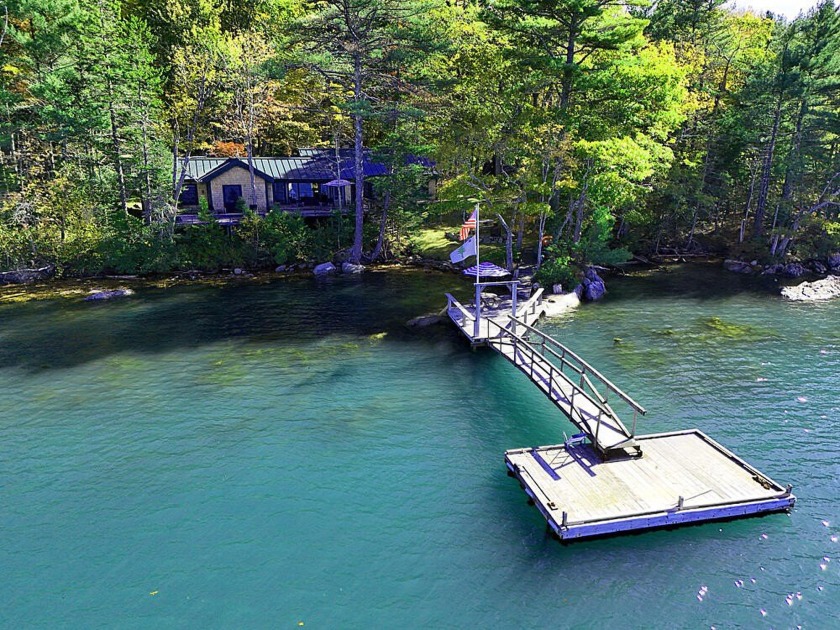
{"points": [[189, 195], [295, 192], [300, 191]]}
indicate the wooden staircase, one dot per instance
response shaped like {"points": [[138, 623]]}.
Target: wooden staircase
{"points": [[575, 387]]}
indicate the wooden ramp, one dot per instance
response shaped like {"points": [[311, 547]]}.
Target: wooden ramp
{"points": [[606, 479], [576, 388]]}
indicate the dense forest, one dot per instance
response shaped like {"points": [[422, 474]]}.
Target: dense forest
{"points": [[589, 129]]}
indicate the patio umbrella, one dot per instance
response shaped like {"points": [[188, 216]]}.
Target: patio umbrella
{"points": [[487, 270], [336, 183]]}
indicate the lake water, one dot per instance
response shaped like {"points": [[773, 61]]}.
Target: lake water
{"points": [[266, 455]]}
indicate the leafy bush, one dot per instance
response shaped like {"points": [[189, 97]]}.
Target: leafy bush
{"points": [[286, 237], [558, 268]]}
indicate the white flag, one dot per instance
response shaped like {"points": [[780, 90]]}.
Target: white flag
{"points": [[466, 250]]}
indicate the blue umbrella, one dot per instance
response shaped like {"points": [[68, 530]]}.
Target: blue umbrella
{"points": [[487, 270]]}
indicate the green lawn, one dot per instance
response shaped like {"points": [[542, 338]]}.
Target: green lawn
{"points": [[432, 243]]}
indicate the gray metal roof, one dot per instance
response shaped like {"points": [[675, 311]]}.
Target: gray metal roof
{"points": [[287, 168], [314, 165]]}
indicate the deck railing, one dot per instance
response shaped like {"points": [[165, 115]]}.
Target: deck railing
{"points": [[583, 370], [558, 383], [451, 303], [562, 388], [529, 308]]}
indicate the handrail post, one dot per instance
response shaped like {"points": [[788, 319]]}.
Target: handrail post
{"points": [[513, 306], [633, 432], [598, 426], [477, 324]]}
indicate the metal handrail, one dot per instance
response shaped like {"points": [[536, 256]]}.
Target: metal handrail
{"points": [[585, 366], [518, 342]]}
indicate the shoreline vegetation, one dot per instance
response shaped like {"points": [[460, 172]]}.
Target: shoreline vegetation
{"points": [[591, 133]]}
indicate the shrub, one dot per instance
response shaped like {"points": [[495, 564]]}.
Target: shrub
{"points": [[558, 268]]}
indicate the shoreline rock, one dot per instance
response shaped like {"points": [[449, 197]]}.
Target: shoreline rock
{"points": [[592, 288], [324, 269], [830, 265], [27, 276], [350, 268], [819, 290]]}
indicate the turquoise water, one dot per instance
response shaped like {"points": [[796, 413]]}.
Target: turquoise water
{"points": [[261, 456]]}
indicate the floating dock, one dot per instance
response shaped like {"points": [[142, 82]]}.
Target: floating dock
{"points": [[606, 479]]}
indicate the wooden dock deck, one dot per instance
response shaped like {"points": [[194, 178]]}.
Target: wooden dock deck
{"points": [[606, 479], [683, 477]]}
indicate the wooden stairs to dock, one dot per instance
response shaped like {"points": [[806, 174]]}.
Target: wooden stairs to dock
{"points": [[576, 388]]}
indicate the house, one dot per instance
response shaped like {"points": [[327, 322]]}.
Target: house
{"points": [[316, 183]]}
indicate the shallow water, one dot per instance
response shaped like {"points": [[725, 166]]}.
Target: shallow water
{"points": [[258, 456]]}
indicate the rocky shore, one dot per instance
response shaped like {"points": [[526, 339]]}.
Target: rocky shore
{"points": [[830, 265], [819, 290]]}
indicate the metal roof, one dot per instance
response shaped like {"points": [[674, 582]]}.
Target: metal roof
{"points": [[318, 165]]}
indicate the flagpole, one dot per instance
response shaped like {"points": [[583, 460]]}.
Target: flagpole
{"points": [[477, 242], [477, 327]]}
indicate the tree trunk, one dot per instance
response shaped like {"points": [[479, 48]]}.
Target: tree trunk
{"points": [[540, 236], [568, 70], [508, 243], [766, 172], [115, 142], [380, 242], [358, 155]]}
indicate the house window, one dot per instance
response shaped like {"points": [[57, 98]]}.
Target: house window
{"points": [[280, 192], [189, 195], [300, 191]]}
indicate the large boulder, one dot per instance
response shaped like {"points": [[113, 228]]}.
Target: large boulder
{"points": [[834, 262], [324, 269], [593, 286], [737, 266], [824, 289], [793, 270], [351, 268]]}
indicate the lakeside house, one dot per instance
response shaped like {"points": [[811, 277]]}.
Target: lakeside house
{"points": [[315, 183]]}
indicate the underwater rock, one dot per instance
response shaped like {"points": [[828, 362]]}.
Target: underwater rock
{"points": [[424, 321], [824, 289], [737, 266], [99, 296]]}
